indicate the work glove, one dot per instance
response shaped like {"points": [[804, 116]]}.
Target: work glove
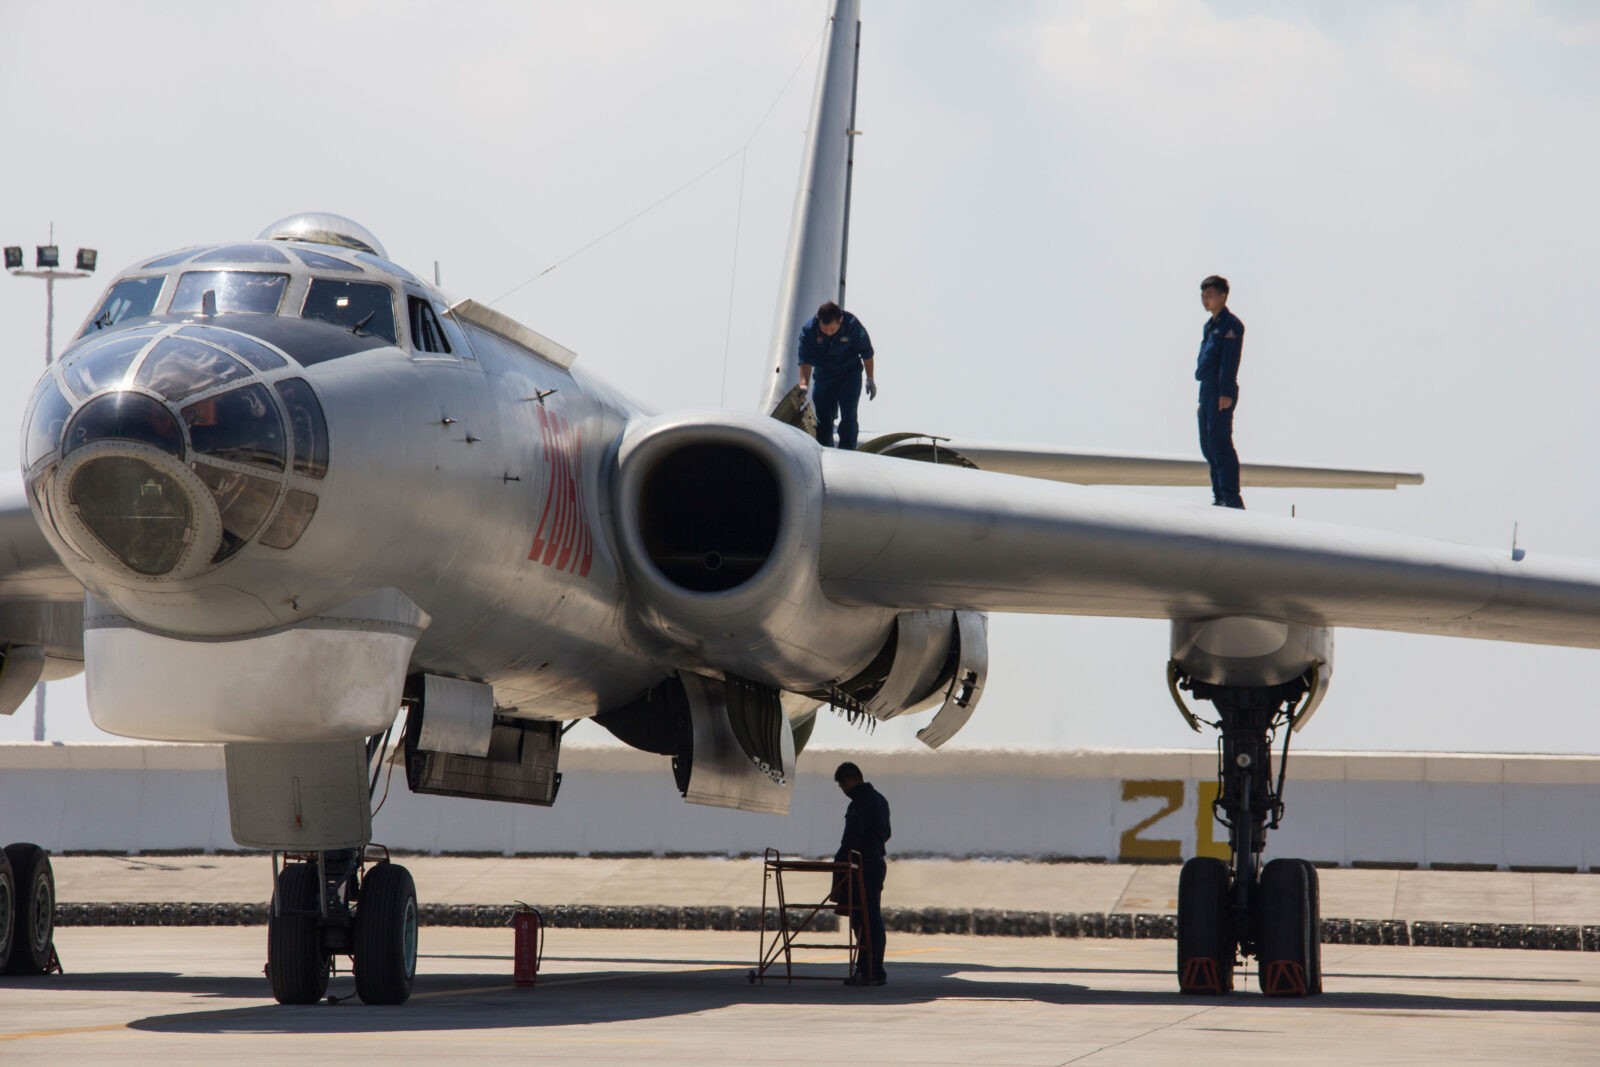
{"points": [[872, 389]]}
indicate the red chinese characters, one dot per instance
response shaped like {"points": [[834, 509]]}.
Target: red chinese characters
{"points": [[562, 539]]}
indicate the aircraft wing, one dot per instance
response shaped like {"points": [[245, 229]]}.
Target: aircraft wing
{"points": [[41, 603], [935, 536], [1094, 467]]}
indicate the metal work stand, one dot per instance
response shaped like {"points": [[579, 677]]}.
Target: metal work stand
{"points": [[782, 942]]}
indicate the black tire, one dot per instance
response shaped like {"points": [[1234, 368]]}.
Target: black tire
{"points": [[386, 935], [33, 914], [1206, 938], [1291, 930], [8, 911], [1314, 969], [296, 962]]}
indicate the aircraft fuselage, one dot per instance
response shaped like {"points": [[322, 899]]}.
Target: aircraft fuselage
{"points": [[469, 480]]}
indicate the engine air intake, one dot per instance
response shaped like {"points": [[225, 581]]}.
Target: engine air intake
{"points": [[709, 515]]}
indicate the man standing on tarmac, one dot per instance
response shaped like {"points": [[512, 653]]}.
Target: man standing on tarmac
{"points": [[834, 346], [866, 828], [1217, 371]]}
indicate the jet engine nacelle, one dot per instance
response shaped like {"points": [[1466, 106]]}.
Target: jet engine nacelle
{"points": [[719, 520]]}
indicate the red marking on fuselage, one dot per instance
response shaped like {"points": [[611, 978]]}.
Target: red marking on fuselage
{"points": [[562, 539]]}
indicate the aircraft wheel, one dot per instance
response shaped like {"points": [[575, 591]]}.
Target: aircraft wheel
{"points": [[8, 911], [33, 910], [1314, 969], [386, 935], [1291, 930], [295, 960], [1205, 929]]}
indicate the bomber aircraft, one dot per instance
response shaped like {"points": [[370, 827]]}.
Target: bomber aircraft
{"points": [[251, 468]]}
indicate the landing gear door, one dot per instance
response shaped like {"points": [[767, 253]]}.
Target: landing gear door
{"points": [[299, 797], [743, 754]]}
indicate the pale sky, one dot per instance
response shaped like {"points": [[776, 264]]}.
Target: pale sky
{"points": [[1402, 195]]}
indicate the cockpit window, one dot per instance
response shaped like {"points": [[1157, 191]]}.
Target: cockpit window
{"points": [[292, 520], [384, 265], [241, 426], [362, 306], [240, 291], [99, 362], [243, 501], [244, 254], [48, 412], [179, 366], [126, 417], [426, 333], [257, 355], [131, 298], [171, 259], [309, 425], [318, 261]]}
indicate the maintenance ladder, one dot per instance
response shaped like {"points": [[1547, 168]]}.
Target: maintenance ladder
{"points": [[845, 881]]}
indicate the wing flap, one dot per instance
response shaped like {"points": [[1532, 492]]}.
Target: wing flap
{"points": [[1094, 467], [926, 536]]}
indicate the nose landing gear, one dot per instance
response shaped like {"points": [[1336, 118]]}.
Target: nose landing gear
{"points": [[1233, 909], [342, 902]]}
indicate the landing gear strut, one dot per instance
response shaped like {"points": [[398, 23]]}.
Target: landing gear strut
{"points": [[1239, 908]]}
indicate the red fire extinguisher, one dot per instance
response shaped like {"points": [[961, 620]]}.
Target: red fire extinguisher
{"points": [[528, 929]]}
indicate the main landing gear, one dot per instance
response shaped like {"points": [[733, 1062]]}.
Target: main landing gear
{"points": [[343, 902], [1237, 908], [27, 911]]}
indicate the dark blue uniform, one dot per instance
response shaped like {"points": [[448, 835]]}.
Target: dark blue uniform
{"points": [[836, 376], [866, 829], [1217, 371]]}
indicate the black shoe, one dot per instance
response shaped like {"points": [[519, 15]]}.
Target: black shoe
{"points": [[882, 979], [858, 979]]}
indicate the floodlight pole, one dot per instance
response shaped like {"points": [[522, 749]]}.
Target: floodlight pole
{"points": [[49, 274]]}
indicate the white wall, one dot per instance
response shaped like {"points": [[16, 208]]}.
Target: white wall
{"points": [[1427, 809]]}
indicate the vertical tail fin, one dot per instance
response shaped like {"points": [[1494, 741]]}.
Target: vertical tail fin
{"points": [[813, 270]]}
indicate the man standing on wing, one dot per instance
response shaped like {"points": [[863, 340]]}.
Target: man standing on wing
{"points": [[1217, 371]]}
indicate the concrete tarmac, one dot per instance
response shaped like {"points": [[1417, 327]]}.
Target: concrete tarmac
{"points": [[186, 994], [181, 995]]}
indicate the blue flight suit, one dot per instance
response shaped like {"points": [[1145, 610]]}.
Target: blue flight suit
{"points": [[866, 829], [1217, 371], [836, 376]]}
